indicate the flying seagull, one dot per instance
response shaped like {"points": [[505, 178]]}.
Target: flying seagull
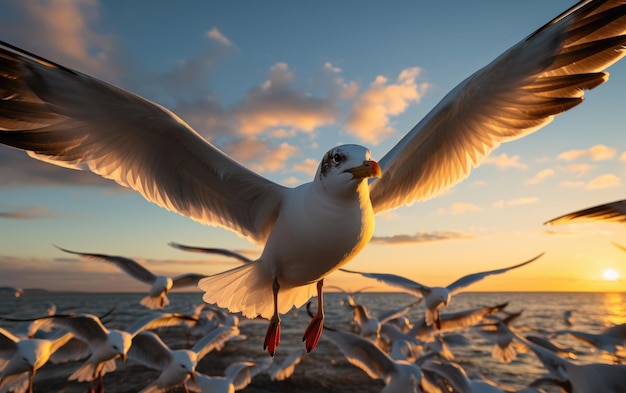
{"points": [[70, 119], [436, 297], [160, 285]]}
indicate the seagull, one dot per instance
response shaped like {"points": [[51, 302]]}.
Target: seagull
{"points": [[609, 212], [436, 297], [578, 378], [64, 117], [11, 291], [103, 346], [456, 379], [611, 340], [504, 344], [399, 376], [369, 326], [21, 358], [176, 366], [285, 369], [237, 376], [568, 317], [160, 286], [451, 322]]}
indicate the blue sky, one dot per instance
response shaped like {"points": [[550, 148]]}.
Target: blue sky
{"points": [[275, 85]]}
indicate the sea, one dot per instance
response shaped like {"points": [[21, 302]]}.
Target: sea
{"points": [[325, 369]]}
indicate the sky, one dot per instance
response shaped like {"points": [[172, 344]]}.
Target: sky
{"points": [[275, 85]]}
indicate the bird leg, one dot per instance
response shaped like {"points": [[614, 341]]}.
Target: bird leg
{"points": [[100, 388], [313, 332], [272, 337], [31, 377]]}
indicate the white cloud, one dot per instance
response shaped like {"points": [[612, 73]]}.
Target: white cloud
{"points": [[540, 176], [259, 155], [275, 104], [460, 208], [516, 202], [504, 161], [217, 36], [308, 166], [369, 120], [595, 153], [603, 181], [64, 31]]}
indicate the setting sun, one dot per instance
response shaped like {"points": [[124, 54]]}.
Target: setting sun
{"points": [[610, 274]]}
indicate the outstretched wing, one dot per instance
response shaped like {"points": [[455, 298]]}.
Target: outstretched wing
{"points": [[70, 119], [127, 265], [211, 250], [608, 212], [516, 94], [407, 285], [470, 279]]}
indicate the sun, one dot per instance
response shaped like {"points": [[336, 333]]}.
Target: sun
{"points": [[610, 274]]}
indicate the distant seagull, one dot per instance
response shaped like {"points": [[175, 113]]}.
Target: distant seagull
{"points": [[369, 326], [70, 119], [611, 340], [436, 297], [577, 378], [452, 322], [160, 286], [349, 299], [498, 333], [568, 317], [21, 358], [176, 366], [11, 291], [608, 212]]}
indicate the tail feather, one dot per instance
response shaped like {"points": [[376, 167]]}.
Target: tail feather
{"points": [[86, 372], [248, 288], [155, 302]]}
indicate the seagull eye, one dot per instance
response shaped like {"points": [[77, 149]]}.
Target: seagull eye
{"points": [[337, 158]]}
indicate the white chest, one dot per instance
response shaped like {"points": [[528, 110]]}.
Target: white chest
{"points": [[315, 236]]}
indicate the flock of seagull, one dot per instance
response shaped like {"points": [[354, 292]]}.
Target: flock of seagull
{"points": [[66, 118], [407, 355]]}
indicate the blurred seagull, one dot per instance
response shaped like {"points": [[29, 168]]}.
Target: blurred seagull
{"points": [[399, 376], [11, 291], [578, 378], [436, 297], [608, 212], [21, 358], [456, 380], [237, 376], [176, 366], [611, 340], [283, 370], [160, 286], [103, 346], [70, 119]]}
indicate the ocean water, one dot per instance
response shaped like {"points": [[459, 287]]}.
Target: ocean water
{"points": [[325, 369]]}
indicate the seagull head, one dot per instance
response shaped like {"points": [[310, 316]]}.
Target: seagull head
{"points": [[438, 297], [345, 167], [184, 363], [119, 343]]}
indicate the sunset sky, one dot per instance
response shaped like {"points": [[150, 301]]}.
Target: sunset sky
{"points": [[275, 85]]}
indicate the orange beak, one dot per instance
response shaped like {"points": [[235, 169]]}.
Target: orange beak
{"points": [[370, 168]]}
